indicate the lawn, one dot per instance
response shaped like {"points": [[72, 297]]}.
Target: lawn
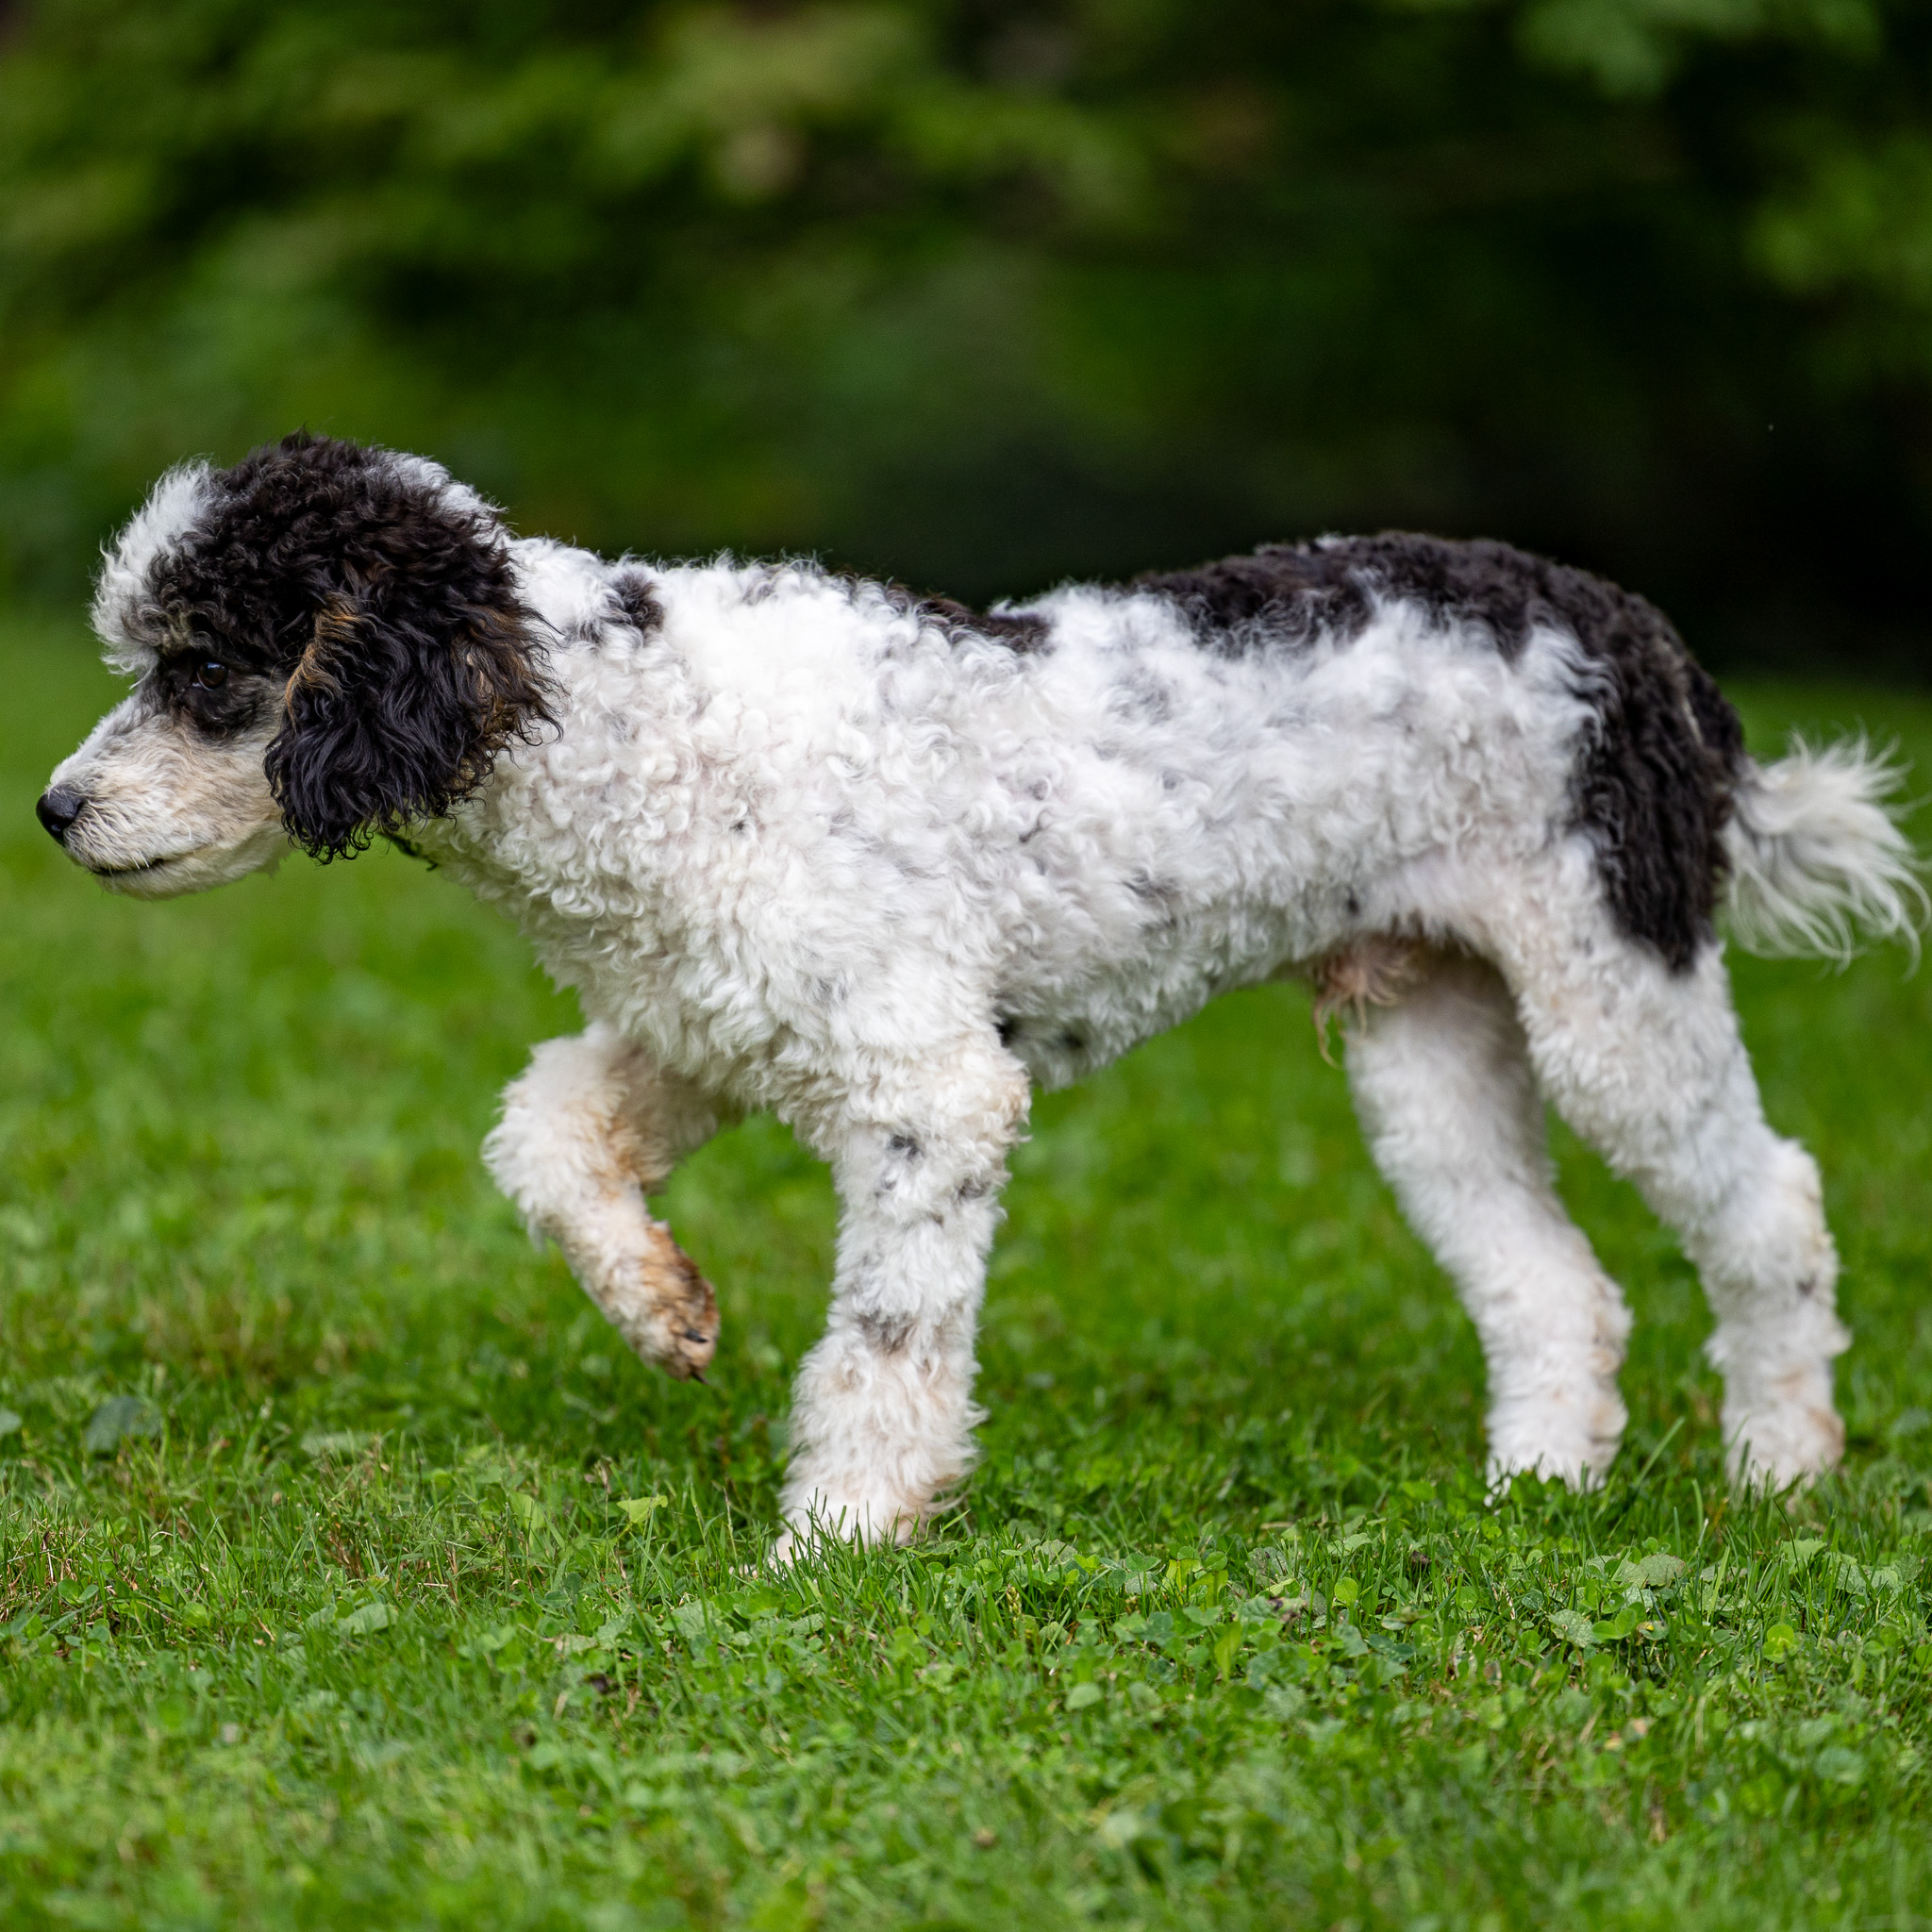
{"points": [[352, 1575]]}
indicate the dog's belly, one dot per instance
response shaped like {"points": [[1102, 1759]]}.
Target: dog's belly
{"points": [[1062, 1028], [1059, 1043]]}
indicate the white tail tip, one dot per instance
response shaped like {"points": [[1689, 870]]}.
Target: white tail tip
{"points": [[1818, 861]]}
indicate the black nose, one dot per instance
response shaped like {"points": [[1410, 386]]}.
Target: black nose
{"points": [[58, 809]]}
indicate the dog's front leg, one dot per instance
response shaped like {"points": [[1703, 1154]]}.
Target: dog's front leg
{"points": [[589, 1129], [883, 1413]]}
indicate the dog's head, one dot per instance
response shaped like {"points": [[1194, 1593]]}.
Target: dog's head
{"points": [[327, 644]]}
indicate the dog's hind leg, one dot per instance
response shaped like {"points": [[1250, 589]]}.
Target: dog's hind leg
{"points": [[589, 1128], [1647, 1065], [1443, 1086], [883, 1413]]}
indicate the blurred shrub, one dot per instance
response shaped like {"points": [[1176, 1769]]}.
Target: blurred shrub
{"points": [[981, 293]]}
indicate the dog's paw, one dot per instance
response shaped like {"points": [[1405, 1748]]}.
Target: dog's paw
{"points": [[1569, 1437], [820, 1523], [1781, 1425], [1582, 1470], [1774, 1447], [677, 1324]]}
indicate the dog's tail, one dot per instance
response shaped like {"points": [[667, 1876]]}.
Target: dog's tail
{"points": [[1816, 856]]}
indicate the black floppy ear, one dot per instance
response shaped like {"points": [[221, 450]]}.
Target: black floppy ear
{"points": [[419, 669]]}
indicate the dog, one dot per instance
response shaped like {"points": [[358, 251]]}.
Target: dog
{"points": [[880, 863]]}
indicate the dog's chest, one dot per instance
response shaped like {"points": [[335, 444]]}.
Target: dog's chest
{"points": [[659, 961]]}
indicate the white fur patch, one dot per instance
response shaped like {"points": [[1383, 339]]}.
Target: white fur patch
{"points": [[122, 616]]}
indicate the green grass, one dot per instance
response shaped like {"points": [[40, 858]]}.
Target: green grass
{"points": [[423, 1603]]}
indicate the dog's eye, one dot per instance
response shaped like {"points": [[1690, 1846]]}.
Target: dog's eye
{"points": [[211, 674]]}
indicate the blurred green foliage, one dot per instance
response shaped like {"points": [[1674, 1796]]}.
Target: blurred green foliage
{"points": [[981, 293]]}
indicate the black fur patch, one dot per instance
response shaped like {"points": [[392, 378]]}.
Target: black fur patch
{"points": [[386, 619], [1295, 593], [1653, 786], [1278, 596], [1019, 631], [637, 598]]}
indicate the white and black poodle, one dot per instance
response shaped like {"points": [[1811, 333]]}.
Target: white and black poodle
{"points": [[878, 863]]}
